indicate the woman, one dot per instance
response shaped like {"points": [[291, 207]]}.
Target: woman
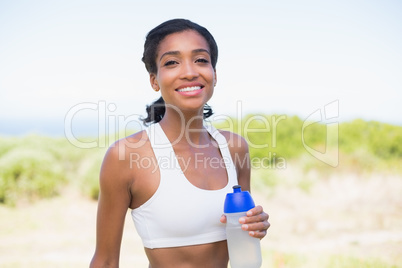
{"points": [[175, 174]]}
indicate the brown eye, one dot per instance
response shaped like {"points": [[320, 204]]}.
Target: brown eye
{"points": [[202, 60], [171, 62]]}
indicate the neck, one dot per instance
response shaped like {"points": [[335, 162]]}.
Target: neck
{"points": [[184, 128]]}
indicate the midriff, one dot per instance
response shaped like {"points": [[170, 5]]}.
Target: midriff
{"points": [[214, 255]]}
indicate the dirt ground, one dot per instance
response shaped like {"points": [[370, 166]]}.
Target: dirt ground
{"points": [[347, 217]]}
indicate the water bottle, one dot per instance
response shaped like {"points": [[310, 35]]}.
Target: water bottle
{"points": [[244, 250]]}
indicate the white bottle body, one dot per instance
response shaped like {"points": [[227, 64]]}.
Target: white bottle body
{"points": [[244, 250]]}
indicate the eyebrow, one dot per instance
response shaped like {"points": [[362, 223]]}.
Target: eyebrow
{"points": [[195, 51]]}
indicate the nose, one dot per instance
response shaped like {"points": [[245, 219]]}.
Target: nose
{"points": [[189, 70]]}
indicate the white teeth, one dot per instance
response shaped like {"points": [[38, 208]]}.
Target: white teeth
{"points": [[186, 89]]}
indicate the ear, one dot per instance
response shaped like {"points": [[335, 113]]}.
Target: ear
{"points": [[216, 78], [153, 81]]}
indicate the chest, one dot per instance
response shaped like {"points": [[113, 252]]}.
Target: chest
{"points": [[205, 168]]}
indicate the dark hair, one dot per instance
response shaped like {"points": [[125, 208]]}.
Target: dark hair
{"points": [[156, 110]]}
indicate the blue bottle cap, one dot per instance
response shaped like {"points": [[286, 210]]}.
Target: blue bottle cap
{"points": [[238, 201]]}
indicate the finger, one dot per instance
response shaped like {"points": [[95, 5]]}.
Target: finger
{"points": [[258, 234], [251, 219], [255, 211], [223, 219], [259, 226]]}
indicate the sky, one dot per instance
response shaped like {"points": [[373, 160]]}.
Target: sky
{"points": [[77, 64]]}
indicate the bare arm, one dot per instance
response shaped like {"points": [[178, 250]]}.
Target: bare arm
{"points": [[256, 221], [113, 203]]}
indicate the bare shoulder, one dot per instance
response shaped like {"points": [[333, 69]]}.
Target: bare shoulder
{"points": [[236, 142], [134, 143], [119, 154]]}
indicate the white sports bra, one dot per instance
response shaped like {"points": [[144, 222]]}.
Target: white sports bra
{"points": [[179, 213]]}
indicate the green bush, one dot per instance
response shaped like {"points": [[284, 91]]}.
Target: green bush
{"points": [[90, 178], [269, 136], [281, 136], [36, 167], [26, 174], [381, 139]]}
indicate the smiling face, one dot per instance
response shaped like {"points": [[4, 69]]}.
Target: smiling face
{"points": [[185, 74]]}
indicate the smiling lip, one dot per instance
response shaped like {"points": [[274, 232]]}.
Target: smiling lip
{"points": [[190, 90]]}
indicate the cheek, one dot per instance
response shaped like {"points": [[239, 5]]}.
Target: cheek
{"points": [[163, 79], [210, 92], [213, 76]]}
